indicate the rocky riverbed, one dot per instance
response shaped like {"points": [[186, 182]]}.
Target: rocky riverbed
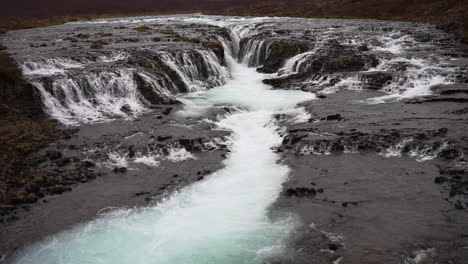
{"points": [[377, 166]]}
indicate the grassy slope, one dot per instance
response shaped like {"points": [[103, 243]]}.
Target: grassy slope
{"points": [[451, 14]]}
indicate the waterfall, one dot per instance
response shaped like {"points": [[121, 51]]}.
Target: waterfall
{"points": [[200, 69], [222, 219], [91, 97], [74, 94]]}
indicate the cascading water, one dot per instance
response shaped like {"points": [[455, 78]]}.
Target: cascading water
{"points": [[223, 219], [92, 97]]}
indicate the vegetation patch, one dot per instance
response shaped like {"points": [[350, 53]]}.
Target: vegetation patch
{"points": [[23, 131], [9, 71], [168, 32], [143, 28], [144, 63], [82, 36], [98, 44]]}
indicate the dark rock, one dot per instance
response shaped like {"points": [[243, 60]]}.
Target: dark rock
{"points": [[167, 111], [375, 80], [58, 189], [279, 52], [164, 138], [333, 247], [333, 117], [88, 164], [363, 48], [53, 154], [119, 170], [63, 161], [300, 192], [126, 109], [131, 152], [440, 180], [449, 154]]}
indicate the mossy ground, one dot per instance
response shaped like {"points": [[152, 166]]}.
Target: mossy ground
{"points": [[23, 131]]}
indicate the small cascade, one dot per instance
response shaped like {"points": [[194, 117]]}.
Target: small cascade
{"points": [[47, 67], [296, 64], [413, 78], [91, 97], [110, 86], [254, 52], [199, 69]]}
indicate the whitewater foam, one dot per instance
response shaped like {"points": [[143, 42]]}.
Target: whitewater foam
{"points": [[222, 219]]}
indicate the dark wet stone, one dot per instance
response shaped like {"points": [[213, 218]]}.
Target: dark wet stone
{"points": [[164, 138], [119, 170], [300, 192], [167, 111], [126, 109], [58, 189], [63, 161], [333, 117], [88, 164], [54, 154], [375, 80], [440, 180]]}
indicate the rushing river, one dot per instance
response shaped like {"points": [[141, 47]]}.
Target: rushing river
{"points": [[222, 219]]}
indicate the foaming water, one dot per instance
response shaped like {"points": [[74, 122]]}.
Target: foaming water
{"points": [[223, 219]]}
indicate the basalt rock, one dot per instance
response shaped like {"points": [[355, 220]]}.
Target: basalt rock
{"points": [[375, 80], [217, 48], [279, 52]]}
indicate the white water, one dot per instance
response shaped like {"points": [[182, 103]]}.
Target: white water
{"points": [[223, 219], [92, 98]]}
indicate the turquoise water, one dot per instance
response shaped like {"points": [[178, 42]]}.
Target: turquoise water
{"points": [[223, 219]]}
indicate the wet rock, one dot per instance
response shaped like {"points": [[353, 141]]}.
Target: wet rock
{"points": [[300, 192], [217, 48], [53, 154], [279, 52], [450, 154], [461, 111], [164, 138], [167, 111], [58, 189], [333, 247], [147, 91], [363, 48], [192, 144], [142, 193], [126, 109], [62, 162], [88, 164], [337, 117], [440, 180], [375, 80]]}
